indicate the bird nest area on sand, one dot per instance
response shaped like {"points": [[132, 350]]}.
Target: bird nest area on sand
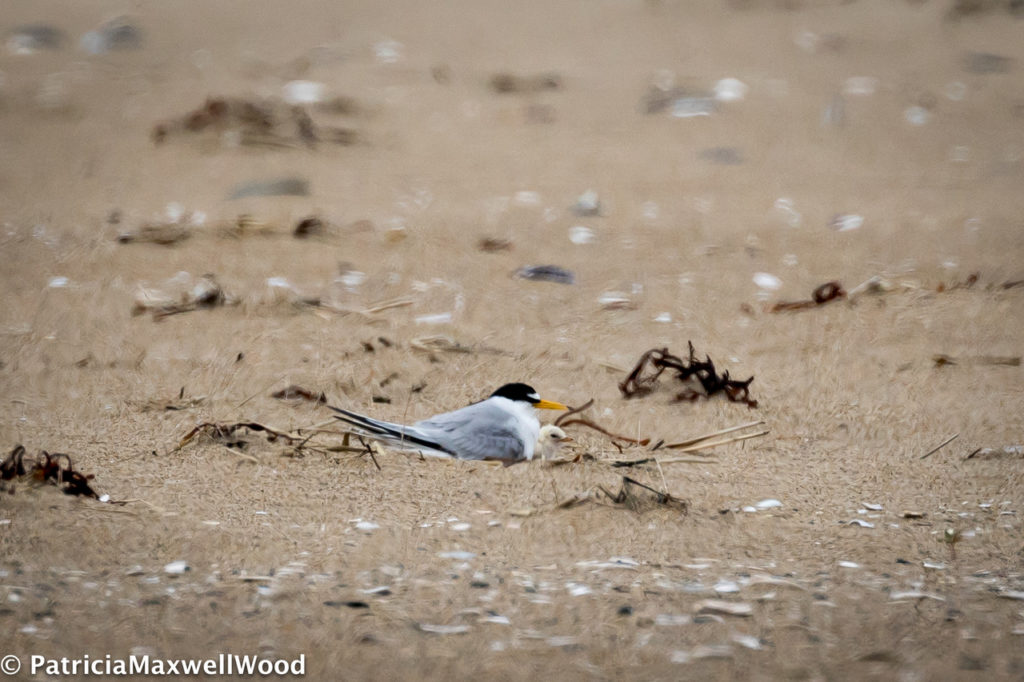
{"points": [[215, 229]]}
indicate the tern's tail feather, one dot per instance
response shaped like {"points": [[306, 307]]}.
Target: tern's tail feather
{"points": [[386, 431]]}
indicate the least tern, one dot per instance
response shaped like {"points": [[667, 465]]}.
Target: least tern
{"points": [[503, 427]]}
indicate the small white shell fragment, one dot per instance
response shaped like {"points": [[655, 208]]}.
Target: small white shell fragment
{"points": [[847, 222], [561, 640], [730, 90], [914, 594], [748, 509], [578, 589], [443, 629], [615, 300], [860, 86], [352, 278], [104, 498], [917, 116], [527, 198], [711, 651], [380, 589], [1012, 594], [457, 554], [279, 283], [304, 92], [176, 567], [767, 281], [366, 526], [434, 318], [58, 282], [861, 522], [460, 527], [588, 204], [848, 564], [747, 641], [728, 608], [663, 317], [496, 620], [872, 506], [388, 51], [934, 565], [579, 234], [726, 587], [770, 503]]}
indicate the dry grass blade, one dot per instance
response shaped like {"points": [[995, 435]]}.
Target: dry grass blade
{"points": [[700, 439], [702, 445], [940, 446]]}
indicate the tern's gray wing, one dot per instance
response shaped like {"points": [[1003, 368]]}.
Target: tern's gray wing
{"points": [[478, 431]]}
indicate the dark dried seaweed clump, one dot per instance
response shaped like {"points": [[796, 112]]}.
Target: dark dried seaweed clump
{"points": [[55, 469], [700, 377]]}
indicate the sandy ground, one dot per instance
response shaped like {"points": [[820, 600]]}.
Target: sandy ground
{"points": [[441, 570]]}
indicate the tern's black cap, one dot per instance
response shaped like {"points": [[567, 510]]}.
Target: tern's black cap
{"points": [[520, 392]]}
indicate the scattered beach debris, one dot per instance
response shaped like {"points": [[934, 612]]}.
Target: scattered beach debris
{"points": [[967, 283], [730, 90], [30, 38], [632, 495], [494, 244], [179, 567], [643, 379], [570, 418], [48, 468], [943, 360], [507, 83], [292, 186], [767, 281], [580, 235], [204, 293], [587, 204], [312, 226], [269, 123], [178, 403], [546, 273], [679, 102], [297, 393], [616, 300], [225, 434], [825, 293], [443, 629], [845, 222], [727, 608], [875, 285], [164, 234], [119, 33], [1016, 451]]}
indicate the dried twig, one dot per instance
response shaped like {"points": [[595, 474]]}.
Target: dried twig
{"points": [[826, 293], [940, 446]]}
